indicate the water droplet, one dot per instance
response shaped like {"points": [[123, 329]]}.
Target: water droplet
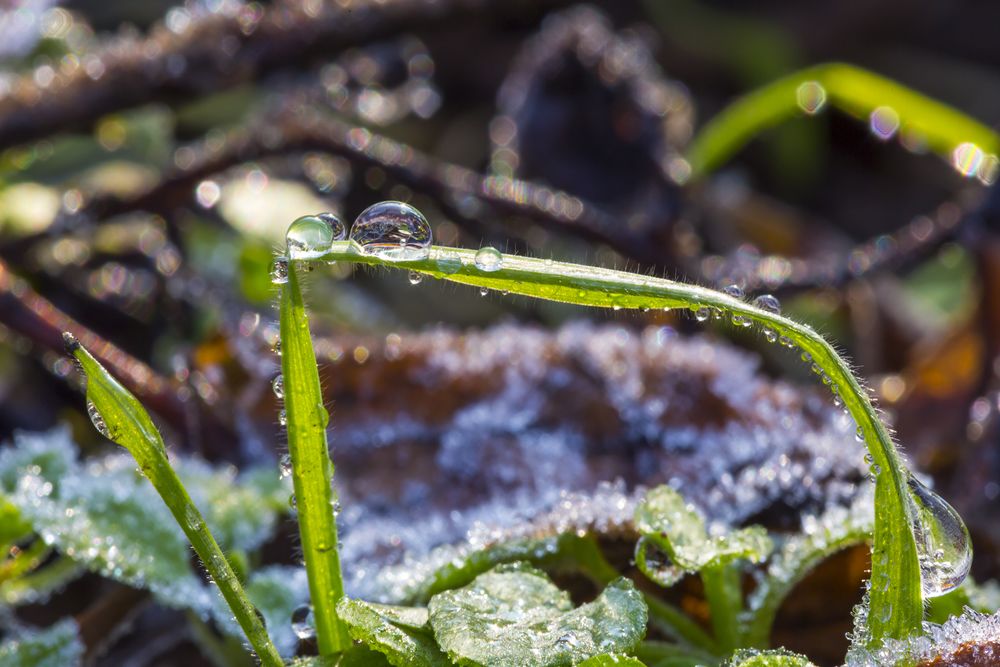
{"points": [[285, 465], [786, 341], [483, 291], [278, 386], [734, 291], [768, 303], [98, 420], [811, 97], [292, 502], [770, 335], [311, 235], [392, 230], [260, 617], [489, 259], [702, 314], [282, 417], [943, 544], [279, 271], [277, 347], [70, 342], [415, 277], [302, 622], [568, 641]]}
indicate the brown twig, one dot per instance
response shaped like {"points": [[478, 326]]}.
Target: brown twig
{"points": [[213, 52]]}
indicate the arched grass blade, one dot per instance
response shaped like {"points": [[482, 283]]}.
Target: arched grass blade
{"points": [[896, 597]]}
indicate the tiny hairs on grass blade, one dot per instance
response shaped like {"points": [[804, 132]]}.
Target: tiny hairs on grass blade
{"points": [[119, 416]]}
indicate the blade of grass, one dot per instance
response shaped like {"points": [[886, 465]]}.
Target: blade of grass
{"points": [[127, 423], [725, 600], [312, 470], [896, 603], [851, 89]]}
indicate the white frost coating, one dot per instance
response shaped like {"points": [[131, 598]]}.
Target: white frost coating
{"points": [[972, 632]]}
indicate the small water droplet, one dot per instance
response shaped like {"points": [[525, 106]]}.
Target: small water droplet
{"points": [[483, 291], [311, 235], [415, 277], [392, 230], [770, 335], [489, 259], [702, 314], [943, 545], [70, 342], [292, 502], [282, 417], [768, 303], [260, 617], [302, 622], [98, 420], [279, 271], [276, 348], [786, 341], [285, 465], [734, 291], [278, 386]]}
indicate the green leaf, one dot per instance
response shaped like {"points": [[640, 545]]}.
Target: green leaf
{"points": [[665, 520], [513, 615], [772, 658], [612, 660], [57, 646], [119, 416], [402, 634]]}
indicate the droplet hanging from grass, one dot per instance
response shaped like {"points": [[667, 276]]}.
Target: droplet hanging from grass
{"points": [[943, 545], [302, 624], [279, 271], [393, 231]]}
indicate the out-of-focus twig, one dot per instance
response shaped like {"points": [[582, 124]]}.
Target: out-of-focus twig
{"points": [[199, 54]]}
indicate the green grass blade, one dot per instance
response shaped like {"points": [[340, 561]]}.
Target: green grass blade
{"points": [[896, 598], [851, 89], [312, 470], [121, 418]]}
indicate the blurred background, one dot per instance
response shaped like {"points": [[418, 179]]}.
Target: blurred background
{"points": [[152, 155]]}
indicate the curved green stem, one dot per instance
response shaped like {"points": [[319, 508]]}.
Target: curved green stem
{"points": [[896, 599], [312, 470], [851, 89]]}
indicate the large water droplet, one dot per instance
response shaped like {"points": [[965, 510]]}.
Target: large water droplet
{"points": [[489, 259], [311, 236], [98, 420], [392, 230], [943, 543], [302, 622], [279, 271]]}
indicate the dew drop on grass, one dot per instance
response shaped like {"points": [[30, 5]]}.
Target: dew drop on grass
{"points": [[302, 624], [98, 420], [311, 235], [282, 417], [943, 545], [415, 277], [393, 231], [278, 386], [279, 271], [736, 292], [701, 313], [768, 303], [285, 465], [489, 259], [292, 502], [483, 291]]}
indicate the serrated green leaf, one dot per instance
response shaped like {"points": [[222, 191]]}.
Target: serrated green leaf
{"points": [[402, 634], [772, 658], [57, 646], [665, 520], [513, 615]]}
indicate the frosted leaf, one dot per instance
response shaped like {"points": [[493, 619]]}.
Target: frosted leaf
{"points": [[56, 646], [771, 658], [665, 519], [402, 634], [513, 615], [276, 591]]}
